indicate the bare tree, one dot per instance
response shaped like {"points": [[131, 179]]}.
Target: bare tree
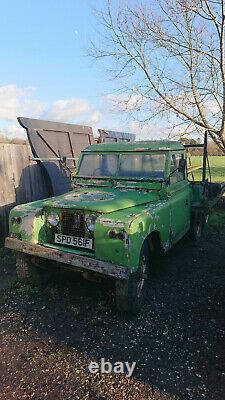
{"points": [[169, 58]]}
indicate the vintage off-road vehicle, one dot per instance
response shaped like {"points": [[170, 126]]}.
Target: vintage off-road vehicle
{"points": [[128, 200]]}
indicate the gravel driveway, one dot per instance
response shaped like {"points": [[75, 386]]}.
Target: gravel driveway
{"points": [[49, 335]]}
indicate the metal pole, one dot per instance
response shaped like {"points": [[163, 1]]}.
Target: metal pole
{"points": [[205, 155]]}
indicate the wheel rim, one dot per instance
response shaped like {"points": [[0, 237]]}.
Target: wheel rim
{"points": [[142, 275]]}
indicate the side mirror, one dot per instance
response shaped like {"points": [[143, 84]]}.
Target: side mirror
{"points": [[182, 165]]}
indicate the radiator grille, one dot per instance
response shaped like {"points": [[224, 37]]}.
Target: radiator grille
{"points": [[73, 224]]}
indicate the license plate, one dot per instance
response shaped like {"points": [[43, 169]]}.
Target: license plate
{"points": [[73, 241]]}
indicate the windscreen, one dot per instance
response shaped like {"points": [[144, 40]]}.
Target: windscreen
{"points": [[150, 166], [98, 165], [135, 165]]}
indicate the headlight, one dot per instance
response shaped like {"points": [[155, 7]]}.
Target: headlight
{"points": [[90, 221], [53, 219], [16, 220]]}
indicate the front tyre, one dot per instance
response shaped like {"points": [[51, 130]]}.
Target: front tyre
{"points": [[27, 272], [130, 293]]}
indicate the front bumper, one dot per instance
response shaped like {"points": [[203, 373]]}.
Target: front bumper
{"points": [[82, 263]]}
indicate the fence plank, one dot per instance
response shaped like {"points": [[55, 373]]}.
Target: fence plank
{"points": [[21, 180]]}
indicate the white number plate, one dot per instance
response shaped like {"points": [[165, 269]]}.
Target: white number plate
{"points": [[73, 241]]}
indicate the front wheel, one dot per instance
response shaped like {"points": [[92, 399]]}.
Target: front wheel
{"points": [[130, 293]]}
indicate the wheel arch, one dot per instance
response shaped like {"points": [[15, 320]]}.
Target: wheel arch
{"points": [[154, 243]]}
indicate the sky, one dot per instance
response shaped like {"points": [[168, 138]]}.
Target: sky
{"points": [[45, 71]]}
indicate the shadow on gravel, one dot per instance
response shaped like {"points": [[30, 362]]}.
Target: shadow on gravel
{"points": [[177, 341]]}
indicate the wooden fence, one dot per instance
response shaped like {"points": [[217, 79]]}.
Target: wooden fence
{"points": [[21, 180]]}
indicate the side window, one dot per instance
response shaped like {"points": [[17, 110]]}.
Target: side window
{"points": [[174, 163]]}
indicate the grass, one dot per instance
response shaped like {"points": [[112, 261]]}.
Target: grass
{"points": [[216, 221], [217, 167]]}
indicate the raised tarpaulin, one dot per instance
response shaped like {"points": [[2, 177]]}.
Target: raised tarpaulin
{"points": [[57, 146]]}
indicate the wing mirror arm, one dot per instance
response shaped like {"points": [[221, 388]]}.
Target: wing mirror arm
{"points": [[181, 168]]}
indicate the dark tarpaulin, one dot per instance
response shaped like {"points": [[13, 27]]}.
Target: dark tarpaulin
{"points": [[56, 140], [106, 136]]}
